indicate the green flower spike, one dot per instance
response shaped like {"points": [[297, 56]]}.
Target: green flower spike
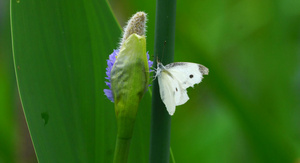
{"points": [[129, 82]]}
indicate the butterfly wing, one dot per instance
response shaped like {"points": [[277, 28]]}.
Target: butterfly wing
{"points": [[175, 78], [182, 97], [170, 91], [187, 74]]}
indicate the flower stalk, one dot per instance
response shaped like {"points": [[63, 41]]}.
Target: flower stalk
{"points": [[128, 79], [164, 51]]}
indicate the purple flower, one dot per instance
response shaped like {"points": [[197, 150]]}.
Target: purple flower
{"points": [[110, 62], [150, 63]]}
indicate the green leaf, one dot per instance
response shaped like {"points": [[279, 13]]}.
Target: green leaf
{"points": [[60, 51], [7, 121]]}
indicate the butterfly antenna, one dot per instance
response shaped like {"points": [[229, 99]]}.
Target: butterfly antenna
{"points": [[162, 57]]}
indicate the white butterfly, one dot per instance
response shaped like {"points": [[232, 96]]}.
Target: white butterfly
{"points": [[174, 79]]}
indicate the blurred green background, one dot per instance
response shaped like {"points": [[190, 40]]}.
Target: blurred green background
{"points": [[246, 110]]}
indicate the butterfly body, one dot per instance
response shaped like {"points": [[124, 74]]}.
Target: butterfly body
{"points": [[174, 79]]}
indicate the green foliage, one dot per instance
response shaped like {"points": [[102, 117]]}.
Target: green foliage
{"points": [[245, 110], [7, 123], [60, 51], [251, 51]]}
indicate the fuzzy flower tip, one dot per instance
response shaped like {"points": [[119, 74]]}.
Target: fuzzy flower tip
{"points": [[110, 63]]}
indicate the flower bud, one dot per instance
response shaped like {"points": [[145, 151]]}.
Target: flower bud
{"points": [[136, 24], [128, 75], [129, 81]]}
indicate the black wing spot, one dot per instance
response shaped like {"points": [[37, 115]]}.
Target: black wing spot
{"points": [[176, 89], [191, 76]]}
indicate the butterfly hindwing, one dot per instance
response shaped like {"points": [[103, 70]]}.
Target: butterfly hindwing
{"points": [[183, 98]]}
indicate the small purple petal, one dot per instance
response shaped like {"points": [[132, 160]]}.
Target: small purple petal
{"points": [[150, 63], [109, 94], [107, 73], [108, 84], [110, 63]]}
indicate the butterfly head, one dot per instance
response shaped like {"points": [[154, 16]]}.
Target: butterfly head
{"points": [[160, 67]]}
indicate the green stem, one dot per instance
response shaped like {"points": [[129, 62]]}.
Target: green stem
{"points": [[164, 51], [122, 150], [125, 131]]}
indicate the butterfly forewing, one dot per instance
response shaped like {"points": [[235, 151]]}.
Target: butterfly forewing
{"points": [[167, 91], [188, 74]]}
